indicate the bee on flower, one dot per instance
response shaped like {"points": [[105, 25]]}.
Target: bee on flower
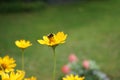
{"points": [[53, 39]]}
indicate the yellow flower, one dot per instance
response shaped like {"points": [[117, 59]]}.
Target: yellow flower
{"points": [[4, 76], [19, 75], [53, 39], [72, 77], [7, 64], [32, 78], [22, 44]]}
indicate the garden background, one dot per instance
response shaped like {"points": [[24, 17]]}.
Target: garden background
{"points": [[93, 29]]}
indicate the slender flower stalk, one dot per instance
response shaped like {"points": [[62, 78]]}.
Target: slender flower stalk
{"points": [[54, 67], [22, 58]]}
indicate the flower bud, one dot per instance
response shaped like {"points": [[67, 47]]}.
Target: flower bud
{"points": [[86, 64], [66, 69], [73, 58]]}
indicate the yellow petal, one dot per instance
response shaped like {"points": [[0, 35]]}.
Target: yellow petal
{"points": [[45, 38], [41, 41]]}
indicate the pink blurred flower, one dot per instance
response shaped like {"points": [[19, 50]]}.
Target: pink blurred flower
{"points": [[66, 69], [73, 58], [86, 64]]}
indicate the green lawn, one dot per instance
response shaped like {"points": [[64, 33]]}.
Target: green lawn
{"points": [[93, 32]]}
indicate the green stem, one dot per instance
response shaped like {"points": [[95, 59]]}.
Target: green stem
{"points": [[22, 59], [54, 69]]}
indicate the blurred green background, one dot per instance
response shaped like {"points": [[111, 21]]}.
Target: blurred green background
{"points": [[92, 27]]}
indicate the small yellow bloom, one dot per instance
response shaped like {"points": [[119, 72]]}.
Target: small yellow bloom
{"points": [[72, 77], [7, 64], [19, 75], [53, 39], [4, 76], [32, 78], [22, 44]]}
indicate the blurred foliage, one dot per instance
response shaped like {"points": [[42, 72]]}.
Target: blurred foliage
{"points": [[32, 5], [20, 0], [20, 7], [47, 1]]}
